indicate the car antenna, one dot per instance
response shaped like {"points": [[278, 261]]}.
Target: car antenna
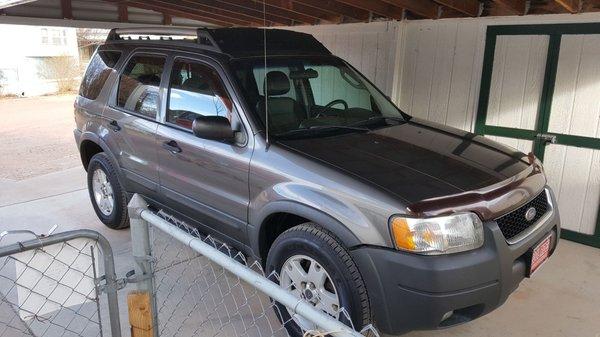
{"points": [[266, 85]]}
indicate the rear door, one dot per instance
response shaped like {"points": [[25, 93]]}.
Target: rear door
{"points": [[131, 119], [204, 179]]}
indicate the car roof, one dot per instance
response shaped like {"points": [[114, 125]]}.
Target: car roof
{"points": [[232, 42]]}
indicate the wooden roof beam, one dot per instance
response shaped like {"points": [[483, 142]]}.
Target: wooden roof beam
{"points": [[424, 8], [219, 15], [181, 14], [518, 7], [123, 12], [242, 11], [66, 9], [378, 7], [300, 8], [167, 20], [200, 7], [272, 10], [573, 6], [336, 7], [468, 7]]}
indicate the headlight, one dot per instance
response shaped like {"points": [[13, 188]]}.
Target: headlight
{"points": [[439, 235]]}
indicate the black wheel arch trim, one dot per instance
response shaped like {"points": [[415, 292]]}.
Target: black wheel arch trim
{"points": [[91, 137], [321, 218]]}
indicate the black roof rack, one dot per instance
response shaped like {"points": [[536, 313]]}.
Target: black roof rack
{"points": [[200, 36], [235, 42]]}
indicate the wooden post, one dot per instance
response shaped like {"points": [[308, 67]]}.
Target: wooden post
{"points": [[140, 314]]}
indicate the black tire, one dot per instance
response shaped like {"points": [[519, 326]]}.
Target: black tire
{"points": [[118, 218], [321, 245]]}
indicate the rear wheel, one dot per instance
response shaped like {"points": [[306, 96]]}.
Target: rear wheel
{"points": [[106, 193], [314, 266]]}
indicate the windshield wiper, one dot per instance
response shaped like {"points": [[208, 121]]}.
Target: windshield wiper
{"points": [[347, 127], [374, 119], [322, 128]]}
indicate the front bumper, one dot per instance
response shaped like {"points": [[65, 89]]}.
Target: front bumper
{"points": [[415, 292]]}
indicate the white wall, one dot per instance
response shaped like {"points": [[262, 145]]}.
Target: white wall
{"points": [[370, 47], [22, 53], [441, 61]]}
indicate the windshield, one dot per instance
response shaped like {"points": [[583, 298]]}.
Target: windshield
{"points": [[305, 94]]}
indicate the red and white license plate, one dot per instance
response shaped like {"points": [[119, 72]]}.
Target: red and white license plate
{"points": [[540, 254]]}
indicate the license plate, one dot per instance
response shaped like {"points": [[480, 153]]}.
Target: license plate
{"points": [[540, 254]]}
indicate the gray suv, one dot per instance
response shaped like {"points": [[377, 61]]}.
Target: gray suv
{"points": [[300, 162]]}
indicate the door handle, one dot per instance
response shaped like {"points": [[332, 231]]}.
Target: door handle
{"points": [[546, 138], [171, 146], [113, 125]]}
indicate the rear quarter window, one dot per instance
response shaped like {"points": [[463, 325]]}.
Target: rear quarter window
{"points": [[100, 67]]}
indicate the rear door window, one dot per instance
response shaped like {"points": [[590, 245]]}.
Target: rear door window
{"points": [[196, 90], [100, 67], [139, 85]]}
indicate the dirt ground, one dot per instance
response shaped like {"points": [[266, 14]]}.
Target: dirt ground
{"points": [[36, 136]]}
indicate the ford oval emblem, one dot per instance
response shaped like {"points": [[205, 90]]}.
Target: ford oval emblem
{"points": [[530, 213]]}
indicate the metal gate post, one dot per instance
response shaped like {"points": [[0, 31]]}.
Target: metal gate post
{"points": [[142, 254]]}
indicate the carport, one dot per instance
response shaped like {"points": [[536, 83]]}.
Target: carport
{"points": [[521, 72], [524, 73]]}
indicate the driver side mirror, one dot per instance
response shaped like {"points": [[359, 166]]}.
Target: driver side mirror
{"points": [[213, 127]]}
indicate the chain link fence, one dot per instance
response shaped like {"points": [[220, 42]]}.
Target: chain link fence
{"points": [[49, 285], [64, 285], [196, 296]]}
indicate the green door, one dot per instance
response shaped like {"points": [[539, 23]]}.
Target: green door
{"points": [[540, 92]]}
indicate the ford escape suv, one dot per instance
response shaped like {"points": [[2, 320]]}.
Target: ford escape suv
{"points": [[300, 162]]}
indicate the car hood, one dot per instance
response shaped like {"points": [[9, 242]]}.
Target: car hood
{"points": [[415, 160]]}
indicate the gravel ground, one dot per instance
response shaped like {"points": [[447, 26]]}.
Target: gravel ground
{"points": [[36, 136]]}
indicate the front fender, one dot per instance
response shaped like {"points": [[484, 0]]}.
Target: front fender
{"points": [[354, 218], [293, 207]]}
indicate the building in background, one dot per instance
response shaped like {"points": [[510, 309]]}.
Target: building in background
{"points": [[38, 60], [88, 40]]}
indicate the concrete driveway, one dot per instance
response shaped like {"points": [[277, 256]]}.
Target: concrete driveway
{"points": [[45, 185]]}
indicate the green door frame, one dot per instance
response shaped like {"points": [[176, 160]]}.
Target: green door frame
{"points": [[555, 33]]}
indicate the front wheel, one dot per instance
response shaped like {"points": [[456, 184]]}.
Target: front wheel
{"points": [[108, 196], [314, 266]]}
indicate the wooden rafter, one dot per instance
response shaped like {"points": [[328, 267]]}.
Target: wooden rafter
{"points": [[424, 8], [244, 11], [66, 9], [518, 7], [337, 7], [165, 7], [572, 6], [201, 8], [167, 19], [468, 7], [300, 8], [284, 13], [378, 7], [123, 12], [178, 13]]}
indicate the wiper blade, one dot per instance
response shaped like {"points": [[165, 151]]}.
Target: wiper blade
{"points": [[378, 119], [347, 127], [321, 128]]}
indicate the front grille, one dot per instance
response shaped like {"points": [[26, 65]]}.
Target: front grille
{"points": [[513, 223]]}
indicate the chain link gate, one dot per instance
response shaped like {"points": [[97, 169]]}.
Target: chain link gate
{"points": [[49, 285]]}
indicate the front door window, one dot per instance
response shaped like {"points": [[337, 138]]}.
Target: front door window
{"points": [[195, 90]]}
